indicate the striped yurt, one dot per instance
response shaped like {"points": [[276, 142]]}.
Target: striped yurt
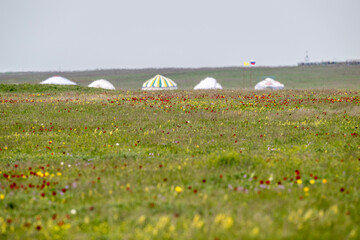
{"points": [[159, 83]]}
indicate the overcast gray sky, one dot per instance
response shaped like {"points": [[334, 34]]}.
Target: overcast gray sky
{"points": [[87, 34]]}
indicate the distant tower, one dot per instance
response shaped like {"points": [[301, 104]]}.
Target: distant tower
{"points": [[307, 59]]}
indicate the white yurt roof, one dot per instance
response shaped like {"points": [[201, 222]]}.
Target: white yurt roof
{"points": [[269, 83], [208, 83], [159, 83], [102, 83], [58, 81]]}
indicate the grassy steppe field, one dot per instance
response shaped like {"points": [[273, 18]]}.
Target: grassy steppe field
{"points": [[306, 77], [80, 163]]}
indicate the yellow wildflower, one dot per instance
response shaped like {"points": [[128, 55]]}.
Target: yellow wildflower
{"points": [[324, 181], [197, 222], [225, 221], [306, 189], [312, 181], [141, 219], [178, 189], [255, 231]]}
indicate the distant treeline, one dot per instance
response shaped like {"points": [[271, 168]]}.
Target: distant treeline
{"points": [[347, 62]]}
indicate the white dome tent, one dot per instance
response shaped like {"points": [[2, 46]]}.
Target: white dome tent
{"points": [[269, 83], [102, 83], [57, 80], [159, 83], [208, 83]]}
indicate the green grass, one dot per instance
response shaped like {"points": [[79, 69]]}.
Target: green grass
{"points": [[179, 164], [34, 88], [313, 77]]}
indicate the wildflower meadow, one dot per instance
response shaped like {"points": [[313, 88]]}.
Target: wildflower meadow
{"points": [[81, 163]]}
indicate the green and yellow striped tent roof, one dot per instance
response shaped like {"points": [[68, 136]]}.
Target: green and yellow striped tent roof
{"points": [[159, 83]]}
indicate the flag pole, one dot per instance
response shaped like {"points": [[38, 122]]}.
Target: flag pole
{"points": [[252, 62]]}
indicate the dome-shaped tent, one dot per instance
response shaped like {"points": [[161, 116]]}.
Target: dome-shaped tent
{"points": [[102, 83], [269, 83], [159, 83], [57, 80], [208, 83]]}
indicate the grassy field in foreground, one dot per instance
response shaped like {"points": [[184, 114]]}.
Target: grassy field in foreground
{"points": [[319, 77], [80, 163]]}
